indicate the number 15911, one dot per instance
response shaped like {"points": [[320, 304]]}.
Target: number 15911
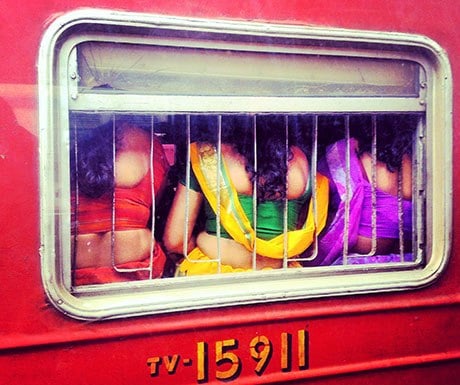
{"points": [[260, 349]]}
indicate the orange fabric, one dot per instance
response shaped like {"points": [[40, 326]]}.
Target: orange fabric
{"points": [[107, 274], [132, 205]]}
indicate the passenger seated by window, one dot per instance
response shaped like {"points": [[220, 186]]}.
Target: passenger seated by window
{"points": [[276, 180], [393, 193], [112, 203]]}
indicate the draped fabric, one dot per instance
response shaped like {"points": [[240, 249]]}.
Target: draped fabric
{"points": [[134, 271], [223, 198], [331, 242], [132, 211], [132, 205]]}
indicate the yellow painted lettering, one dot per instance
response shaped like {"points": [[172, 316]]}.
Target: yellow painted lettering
{"points": [[302, 336], [154, 363], [202, 361], [261, 351], [286, 349], [171, 363], [224, 356]]}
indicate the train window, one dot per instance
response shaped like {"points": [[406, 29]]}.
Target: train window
{"points": [[184, 160]]}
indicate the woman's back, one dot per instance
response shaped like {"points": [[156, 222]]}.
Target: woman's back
{"points": [[130, 202], [389, 185], [297, 175], [262, 171], [270, 212], [132, 161]]}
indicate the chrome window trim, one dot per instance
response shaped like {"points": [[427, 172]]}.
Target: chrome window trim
{"points": [[170, 295]]}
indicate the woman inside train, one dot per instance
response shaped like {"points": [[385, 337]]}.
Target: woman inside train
{"points": [[119, 172], [371, 200], [260, 169]]}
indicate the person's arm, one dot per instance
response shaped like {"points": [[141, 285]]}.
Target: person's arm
{"points": [[173, 238], [406, 170], [160, 168]]}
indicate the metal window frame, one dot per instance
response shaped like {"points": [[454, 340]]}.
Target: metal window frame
{"points": [[56, 99]]}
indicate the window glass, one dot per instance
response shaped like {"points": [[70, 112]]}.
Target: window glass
{"points": [[197, 71]]}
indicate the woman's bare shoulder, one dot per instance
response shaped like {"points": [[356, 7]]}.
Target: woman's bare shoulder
{"points": [[387, 181], [132, 160], [236, 167], [406, 170], [298, 173], [134, 138]]}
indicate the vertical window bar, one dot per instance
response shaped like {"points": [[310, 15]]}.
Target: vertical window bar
{"points": [[254, 192], [312, 171], [418, 153], [77, 192], [285, 211], [312, 178], [374, 185], [347, 191], [188, 171], [218, 181], [152, 183], [187, 183], [112, 234], [400, 215], [113, 230]]}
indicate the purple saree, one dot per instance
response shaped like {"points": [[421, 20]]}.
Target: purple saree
{"points": [[359, 212]]}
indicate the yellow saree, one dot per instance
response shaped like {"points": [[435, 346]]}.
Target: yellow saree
{"points": [[223, 199]]}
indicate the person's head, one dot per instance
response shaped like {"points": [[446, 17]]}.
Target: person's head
{"points": [[394, 138], [274, 137], [92, 157]]}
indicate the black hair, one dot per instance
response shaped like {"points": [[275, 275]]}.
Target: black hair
{"points": [[394, 138], [274, 139], [92, 158]]}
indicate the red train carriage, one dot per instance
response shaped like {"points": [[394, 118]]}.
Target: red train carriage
{"points": [[176, 77]]}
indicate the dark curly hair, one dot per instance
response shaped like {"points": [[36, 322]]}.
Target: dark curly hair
{"points": [[273, 147], [92, 159], [394, 138]]}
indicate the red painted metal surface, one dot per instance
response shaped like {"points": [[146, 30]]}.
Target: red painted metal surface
{"points": [[398, 338]]}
